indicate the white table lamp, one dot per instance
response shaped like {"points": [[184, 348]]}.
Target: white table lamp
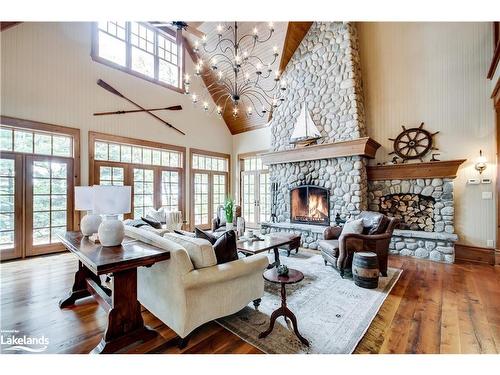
{"points": [[84, 201], [111, 201]]}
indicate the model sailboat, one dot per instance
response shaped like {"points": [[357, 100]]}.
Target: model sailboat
{"points": [[305, 131]]}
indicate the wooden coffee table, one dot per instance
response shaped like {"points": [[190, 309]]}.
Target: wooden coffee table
{"points": [[294, 276], [269, 242], [125, 324]]}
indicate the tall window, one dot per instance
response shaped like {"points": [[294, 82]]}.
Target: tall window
{"points": [[140, 49], [154, 170], [37, 176], [210, 185], [255, 190]]}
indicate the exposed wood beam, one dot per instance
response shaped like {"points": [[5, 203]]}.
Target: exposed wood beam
{"points": [[295, 32], [7, 25]]}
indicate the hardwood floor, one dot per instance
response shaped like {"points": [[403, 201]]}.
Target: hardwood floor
{"points": [[434, 308]]}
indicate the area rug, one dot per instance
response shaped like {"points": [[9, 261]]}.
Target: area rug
{"points": [[333, 313]]}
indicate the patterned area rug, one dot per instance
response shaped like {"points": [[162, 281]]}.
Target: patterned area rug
{"points": [[333, 313]]}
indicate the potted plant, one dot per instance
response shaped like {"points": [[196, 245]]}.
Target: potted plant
{"points": [[229, 212]]}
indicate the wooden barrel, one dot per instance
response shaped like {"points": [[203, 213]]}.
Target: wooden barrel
{"points": [[365, 270]]}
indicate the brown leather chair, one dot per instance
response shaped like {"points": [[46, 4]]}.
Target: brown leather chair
{"points": [[219, 221], [376, 236]]}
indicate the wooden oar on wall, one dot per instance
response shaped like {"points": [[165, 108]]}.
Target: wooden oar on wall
{"points": [[112, 90], [171, 108]]}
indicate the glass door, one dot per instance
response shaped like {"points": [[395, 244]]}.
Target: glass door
{"points": [[249, 199], [11, 190], [218, 191], [143, 191], [201, 200], [49, 203]]}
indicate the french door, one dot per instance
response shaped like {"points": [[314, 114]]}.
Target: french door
{"points": [[49, 198], [11, 206], [36, 203], [209, 192], [256, 197]]}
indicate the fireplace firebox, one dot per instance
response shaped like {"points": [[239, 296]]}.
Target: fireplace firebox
{"points": [[310, 205]]}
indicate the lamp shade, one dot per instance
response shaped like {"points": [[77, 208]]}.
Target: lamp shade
{"points": [[84, 198], [111, 200]]}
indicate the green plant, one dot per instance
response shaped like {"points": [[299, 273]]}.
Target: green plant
{"points": [[229, 209]]}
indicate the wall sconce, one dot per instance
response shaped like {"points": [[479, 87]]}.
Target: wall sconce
{"points": [[481, 162]]}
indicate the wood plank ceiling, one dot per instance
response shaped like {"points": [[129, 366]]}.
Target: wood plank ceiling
{"points": [[286, 38]]}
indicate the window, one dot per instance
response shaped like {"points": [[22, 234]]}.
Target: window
{"points": [[154, 170], [255, 190], [33, 142], [140, 49], [210, 185], [37, 176]]}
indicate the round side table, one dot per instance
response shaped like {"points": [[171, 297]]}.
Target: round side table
{"points": [[294, 276]]}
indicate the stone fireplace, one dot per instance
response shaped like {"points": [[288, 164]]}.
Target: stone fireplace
{"points": [[310, 205], [325, 73]]}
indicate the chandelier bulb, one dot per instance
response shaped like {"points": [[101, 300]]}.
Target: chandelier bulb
{"points": [[255, 31], [249, 111], [271, 26], [219, 110], [205, 106], [194, 98], [219, 29]]}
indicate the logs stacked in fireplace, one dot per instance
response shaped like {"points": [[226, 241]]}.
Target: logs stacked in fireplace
{"points": [[415, 211]]}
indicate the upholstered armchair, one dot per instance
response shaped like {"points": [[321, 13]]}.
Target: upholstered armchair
{"points": [[338, 249], [219, 221]]}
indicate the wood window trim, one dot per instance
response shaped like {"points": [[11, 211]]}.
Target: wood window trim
{"points": [[94, 164], [496, 50], [94, 55], [74, 221], [192, 171]]}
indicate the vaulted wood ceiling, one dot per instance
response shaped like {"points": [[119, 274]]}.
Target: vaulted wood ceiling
{"points": [[287, 38]]}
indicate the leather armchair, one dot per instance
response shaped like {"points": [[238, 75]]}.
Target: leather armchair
{"points": [[219, 221], [377, 232]]}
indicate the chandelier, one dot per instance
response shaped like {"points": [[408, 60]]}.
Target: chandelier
{"points": [[239, 78]]}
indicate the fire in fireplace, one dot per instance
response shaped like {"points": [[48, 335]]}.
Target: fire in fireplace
{"points": [[415, 211], [310, 205]]}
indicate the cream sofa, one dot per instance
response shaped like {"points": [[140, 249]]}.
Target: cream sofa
{"points": [[190, 289]]}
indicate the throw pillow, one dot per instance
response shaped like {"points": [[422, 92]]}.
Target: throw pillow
{"points": [[155, 224], [205, 235], [225, 247], [352, 226], [135, 223], [185, 233], [157, 215]]}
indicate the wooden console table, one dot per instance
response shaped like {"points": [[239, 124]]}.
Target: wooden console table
{"points": [[125, 324]]}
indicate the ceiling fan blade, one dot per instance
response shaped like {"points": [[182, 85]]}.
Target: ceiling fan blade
{"points": [[195, 31]]}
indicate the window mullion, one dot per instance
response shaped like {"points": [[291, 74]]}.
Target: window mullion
{"points": [[156, 57], [128, 45]]}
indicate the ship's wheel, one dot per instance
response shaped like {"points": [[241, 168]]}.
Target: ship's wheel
{"points": [[413, 143]]}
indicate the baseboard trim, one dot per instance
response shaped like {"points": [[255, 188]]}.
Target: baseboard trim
{"points": [[475, 254]]}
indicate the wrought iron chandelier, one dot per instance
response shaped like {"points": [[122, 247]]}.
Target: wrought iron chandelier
{"points": [[245, 85]]}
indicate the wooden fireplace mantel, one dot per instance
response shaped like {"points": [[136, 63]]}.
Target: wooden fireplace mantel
{"points": [[434, 169], [365, 146]]}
